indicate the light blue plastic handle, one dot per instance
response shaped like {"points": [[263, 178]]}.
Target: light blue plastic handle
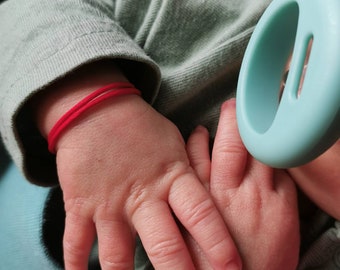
{"points": [[295, 129]]}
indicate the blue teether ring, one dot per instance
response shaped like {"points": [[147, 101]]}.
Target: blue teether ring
{"points": [[293, 129]]}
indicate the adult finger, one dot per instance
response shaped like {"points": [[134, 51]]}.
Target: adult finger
{"points": [[198, 153], [161, 236], [229, 156], [115, 244], [78, 240], [197, 212]]}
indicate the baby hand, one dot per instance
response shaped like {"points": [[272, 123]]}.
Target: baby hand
{"points": [[124, 170], [258, 203]]}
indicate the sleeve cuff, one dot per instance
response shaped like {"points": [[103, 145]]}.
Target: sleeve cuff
{"points": [[85, 42]]}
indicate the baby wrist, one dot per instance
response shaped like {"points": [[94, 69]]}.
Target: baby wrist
{"points": [[94, 98]]}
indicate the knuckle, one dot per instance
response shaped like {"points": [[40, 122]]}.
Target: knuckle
{"points": [[175, 170], [200, 212], [230, 146], [230, 160], [137, 200], [115, 262], [73, 254], [77, 206], [219, 247], [163, 251]]}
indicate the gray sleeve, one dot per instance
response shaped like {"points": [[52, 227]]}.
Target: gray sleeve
{"points": [[40, 42], [324, 253]]}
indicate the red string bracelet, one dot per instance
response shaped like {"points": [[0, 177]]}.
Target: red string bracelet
{"points": [[108, 91]]}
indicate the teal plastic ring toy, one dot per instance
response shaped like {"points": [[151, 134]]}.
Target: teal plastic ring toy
{"points": [[292, 127]]}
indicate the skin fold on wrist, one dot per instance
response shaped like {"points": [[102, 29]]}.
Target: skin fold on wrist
{"points": [[50, 104]]}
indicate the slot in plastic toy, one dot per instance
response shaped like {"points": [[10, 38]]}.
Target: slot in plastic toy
{"points": [[288, 92]]}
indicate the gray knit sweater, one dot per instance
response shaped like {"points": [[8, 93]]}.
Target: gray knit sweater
{"points": [[183, 55]]}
